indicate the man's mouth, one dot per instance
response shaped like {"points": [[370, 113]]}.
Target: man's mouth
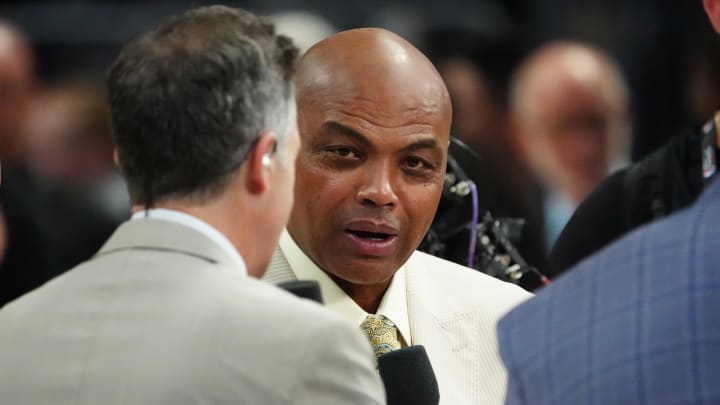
{"points": [[371, 239], [373, 236]]}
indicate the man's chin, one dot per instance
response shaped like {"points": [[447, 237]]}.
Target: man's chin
{"points": [[364, 275]]}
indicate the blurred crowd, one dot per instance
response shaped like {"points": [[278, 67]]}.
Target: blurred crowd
{"points": [[551, 96], [61, 194]]}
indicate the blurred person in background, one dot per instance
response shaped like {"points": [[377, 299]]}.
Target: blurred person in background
{"points": [[474, 69], [637, 322], [50, 225], [667, 180], [15, 84], [704, 81], [569, 106], [68, 143], [25, 246], [17, 81], [478, 117]]}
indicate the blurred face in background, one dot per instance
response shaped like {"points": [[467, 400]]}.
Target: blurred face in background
{"points": [[571, 115], [16, 82], [477, 118], [68, 137]]}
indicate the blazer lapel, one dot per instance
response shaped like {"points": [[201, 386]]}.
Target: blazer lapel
{"points": [[446, 335]]}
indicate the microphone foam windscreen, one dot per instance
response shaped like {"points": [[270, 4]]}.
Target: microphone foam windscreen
{"points": [[309, 289], [409, 377]]}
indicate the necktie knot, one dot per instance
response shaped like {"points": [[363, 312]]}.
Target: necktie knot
{"points": [[381, 332]]}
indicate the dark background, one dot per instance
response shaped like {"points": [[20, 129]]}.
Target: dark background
{"points": [[657, 42]]}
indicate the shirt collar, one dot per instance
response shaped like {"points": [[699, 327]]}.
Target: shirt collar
{"points": [[197, 224], [393, 304]]}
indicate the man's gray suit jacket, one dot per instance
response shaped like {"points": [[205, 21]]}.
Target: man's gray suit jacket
{"points": [[453, 312], [161, 316]]}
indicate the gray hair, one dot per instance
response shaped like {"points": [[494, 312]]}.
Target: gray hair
{"points": [[189, 99]]}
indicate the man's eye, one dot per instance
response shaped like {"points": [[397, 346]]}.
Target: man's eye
{"points": [[343, 151], [417, 163]]}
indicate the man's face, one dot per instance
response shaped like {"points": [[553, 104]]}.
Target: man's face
{"points": [[574, 130], [577, 135], [369, 177]]}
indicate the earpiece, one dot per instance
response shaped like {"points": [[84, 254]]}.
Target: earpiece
{"points": [[266, 161]]}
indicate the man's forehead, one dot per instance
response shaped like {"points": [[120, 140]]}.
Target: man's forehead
{"points": [[382, 81], [412, 137], [379, 118], [379, 100], [377, 61]]}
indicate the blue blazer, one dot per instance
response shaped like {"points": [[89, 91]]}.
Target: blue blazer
{"points": [[637, 323]]}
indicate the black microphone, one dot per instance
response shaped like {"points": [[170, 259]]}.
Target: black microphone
{"points": [[408, 377], [309, 289]]}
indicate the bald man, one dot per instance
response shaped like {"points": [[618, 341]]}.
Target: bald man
{"points": [[374, 120], [668, 180], [636, 323], [569, 107]]}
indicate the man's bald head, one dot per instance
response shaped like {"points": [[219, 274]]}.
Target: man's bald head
{"points": [[16, 79], [560, 66], [570, 104], [374, 119], [371, 62]]}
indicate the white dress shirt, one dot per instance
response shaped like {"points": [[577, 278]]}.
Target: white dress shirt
{"points": [[197, 224], [393, 304]]}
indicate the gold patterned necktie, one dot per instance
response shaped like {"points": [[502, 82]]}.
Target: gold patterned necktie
{"points": [[381, 332]]}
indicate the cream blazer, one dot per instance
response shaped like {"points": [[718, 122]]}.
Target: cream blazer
{"points": [[453, 311]]}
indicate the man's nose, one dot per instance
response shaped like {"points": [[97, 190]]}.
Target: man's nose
{"points": [[377, 189]]}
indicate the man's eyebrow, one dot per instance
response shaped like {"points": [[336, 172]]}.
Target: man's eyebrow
{"points": [[428, 143], [336, 127]]}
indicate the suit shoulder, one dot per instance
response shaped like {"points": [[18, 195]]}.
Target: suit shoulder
{"points": [[452, 274], [273, 304]]}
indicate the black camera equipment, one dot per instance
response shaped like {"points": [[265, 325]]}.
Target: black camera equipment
{"points": [[464, 233]]}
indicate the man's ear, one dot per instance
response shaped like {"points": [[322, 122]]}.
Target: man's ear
{"points": [[116, 157], [260, 163], [712, 8]]}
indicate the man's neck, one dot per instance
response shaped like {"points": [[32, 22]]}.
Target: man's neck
{"points": [[215, 214], [367, 297]]}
